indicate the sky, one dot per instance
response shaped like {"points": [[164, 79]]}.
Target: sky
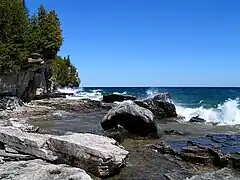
{"points": [[150, 42]]}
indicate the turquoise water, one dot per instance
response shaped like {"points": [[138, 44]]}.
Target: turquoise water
{"points": [[215, 104]]}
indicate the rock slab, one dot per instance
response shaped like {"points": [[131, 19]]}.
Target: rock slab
{"points": [[96, 154], [40, 170]]}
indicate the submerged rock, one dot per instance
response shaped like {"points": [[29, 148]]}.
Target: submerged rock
{"points": [[96, 154], [111, 98], [133, 118], [40, 170]]}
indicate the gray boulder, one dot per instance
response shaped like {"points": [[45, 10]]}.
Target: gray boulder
{"points": [[159, 109], [130, 116], [40, 170], [96, 154], [160, 105], [165, 97]]}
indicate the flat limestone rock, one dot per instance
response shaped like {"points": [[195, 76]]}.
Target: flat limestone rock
{"points": [[94, 153], [12, 156], [28, 143], [40, 170], [98, 154]]}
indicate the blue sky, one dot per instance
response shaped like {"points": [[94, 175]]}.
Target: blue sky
{"points": [[151, 42]]}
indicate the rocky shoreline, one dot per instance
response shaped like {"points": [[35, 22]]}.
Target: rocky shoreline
{"points": [[123, 146]]}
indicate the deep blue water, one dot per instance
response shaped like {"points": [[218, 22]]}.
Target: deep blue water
{"points": [[186, 96]]}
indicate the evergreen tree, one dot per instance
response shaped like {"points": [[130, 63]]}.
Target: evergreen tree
{"points": [[13, 53], [21, 35]]}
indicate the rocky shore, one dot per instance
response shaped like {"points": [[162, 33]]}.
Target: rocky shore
{"points": [[60, 138]]}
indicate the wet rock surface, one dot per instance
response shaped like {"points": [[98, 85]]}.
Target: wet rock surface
{"points": [[40, 170], [220, 150], [131, 117], [111, 98], [159, 109], [197, 119], [222, 174], [56, 116], [164, 97]]}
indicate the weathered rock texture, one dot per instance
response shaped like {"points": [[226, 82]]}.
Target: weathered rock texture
{"points": [[131, 117], [40, 170], [160, 105], [9, 103], [220, 150], [96, 154], [222, 174], [26, 83]]}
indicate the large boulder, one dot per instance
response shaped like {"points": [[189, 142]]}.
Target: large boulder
{"points": [[94, 153], [165, 97], [130, 116], [111, 98], [159, 109], [40, 170], [160, 105]]}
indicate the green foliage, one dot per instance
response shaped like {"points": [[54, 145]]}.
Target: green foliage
{"points": [[13, 24], [64, 73], [21, 35]]}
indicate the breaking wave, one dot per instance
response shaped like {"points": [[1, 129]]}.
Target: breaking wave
{"points": [[226, 113]]}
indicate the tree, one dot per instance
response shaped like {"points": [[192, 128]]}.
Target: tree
{"points": [[13, 53], [64, 73]]}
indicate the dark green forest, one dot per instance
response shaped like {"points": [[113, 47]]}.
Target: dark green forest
{"points": [[22, 34]]}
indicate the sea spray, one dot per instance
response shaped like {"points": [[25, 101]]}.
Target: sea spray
{"points": [[225, 113]]}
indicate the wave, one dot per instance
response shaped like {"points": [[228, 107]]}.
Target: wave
{"points": [[227, 113], [79, 93]]}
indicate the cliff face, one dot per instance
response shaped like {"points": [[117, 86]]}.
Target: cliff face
{"points": [[26, 84]]}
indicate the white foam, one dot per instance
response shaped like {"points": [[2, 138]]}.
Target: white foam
{"points": [[227, 113], [81, 94], [117, 93], [69, 90]]}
